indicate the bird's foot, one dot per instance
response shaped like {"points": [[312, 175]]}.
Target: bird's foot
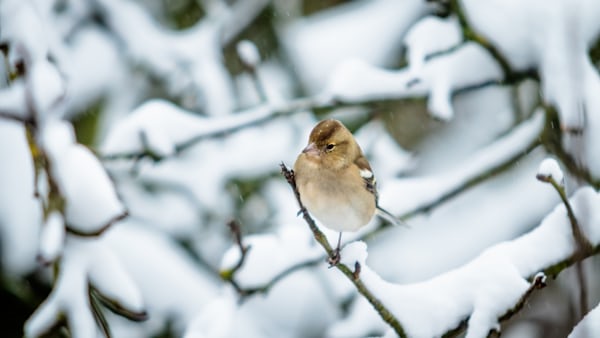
{"points": [[335, 257], [301, 212]]}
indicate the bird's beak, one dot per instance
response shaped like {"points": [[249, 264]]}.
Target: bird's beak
{"points": [[311, 149]]}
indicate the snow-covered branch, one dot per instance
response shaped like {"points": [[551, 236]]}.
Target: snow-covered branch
{"points": [[487, 288]]}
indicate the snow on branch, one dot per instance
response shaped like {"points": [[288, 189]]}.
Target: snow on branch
{"points": [[468, 66], [159, 129], [588, 325], [427, 192], [86, 265], [188, 62], [482, 165], [482, 292]]}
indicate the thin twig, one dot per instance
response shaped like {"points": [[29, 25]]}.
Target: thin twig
{"points": [[584, 246], [384, 313], [582, 242], [551, 138], [247, 292], [235, 229], [118, 308]]}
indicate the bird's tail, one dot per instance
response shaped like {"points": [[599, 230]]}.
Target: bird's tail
{"points": [[391, 218]]}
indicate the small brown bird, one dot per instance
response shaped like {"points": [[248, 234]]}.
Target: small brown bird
{"points": [[335, 181]]}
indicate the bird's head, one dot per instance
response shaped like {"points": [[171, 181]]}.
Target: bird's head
{"points": [[331, 144]]}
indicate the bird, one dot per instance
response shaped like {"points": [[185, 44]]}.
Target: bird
{"points": [[336, 183]]}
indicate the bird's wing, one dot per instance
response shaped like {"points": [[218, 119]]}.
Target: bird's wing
{"points": [[367, 174]]}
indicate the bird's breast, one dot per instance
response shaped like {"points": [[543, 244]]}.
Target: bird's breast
{"points": [[339, 203]]}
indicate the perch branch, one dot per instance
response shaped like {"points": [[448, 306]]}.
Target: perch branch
{"points": [[352, 275]]}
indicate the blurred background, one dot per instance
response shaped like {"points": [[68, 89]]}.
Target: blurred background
{"points": [[191, 105]]}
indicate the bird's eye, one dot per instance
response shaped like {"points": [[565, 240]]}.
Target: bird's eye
{"points": [[330, 146]]}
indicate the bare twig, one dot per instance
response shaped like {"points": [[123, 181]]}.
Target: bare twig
{"points": [[96, 310], [584, 246], [228, 275], [551, 138], [383, 312], [582, 242]]}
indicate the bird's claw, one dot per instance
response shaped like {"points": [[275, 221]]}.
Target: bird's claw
{"points": [[334, 259], [301, 212]]}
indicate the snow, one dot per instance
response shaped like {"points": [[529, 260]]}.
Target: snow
{"points": [[549, 168], [216, 319], [171, 283], [248, 53], [155, 89], [113, 281], [52, 238], [165, 125], [91, 201], [20, 211], [380, 25], [189, 62], [355, 252], [425, 190], [428, 36], [22, 25], [47, 88], [292, 246], [552, 38], [590, 324], [84, 262], [483, 289], [469, 65], [12, 99]]}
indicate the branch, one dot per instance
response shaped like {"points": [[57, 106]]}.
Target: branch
{"points": [[538, 282], [17, 118], [510, 76], [229, 275], [552, 271], [353, 276], [266, 112], [583, 244], [247, 292], [551, 138], [101, 230], [232, 123]]}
